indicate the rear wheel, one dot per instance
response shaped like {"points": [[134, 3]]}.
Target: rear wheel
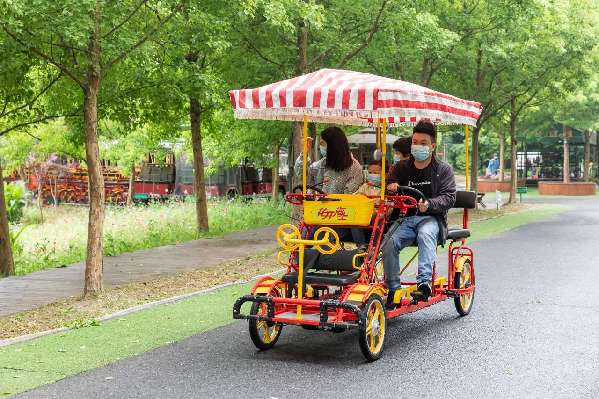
{"points": [[463, 279], [373, 328], [264, 334]]}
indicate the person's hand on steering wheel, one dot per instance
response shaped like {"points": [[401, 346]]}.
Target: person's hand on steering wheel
{"points": [[392, 187], [422, 205]]}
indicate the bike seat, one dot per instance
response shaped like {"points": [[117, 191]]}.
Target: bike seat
{"points": [[458, 234]]}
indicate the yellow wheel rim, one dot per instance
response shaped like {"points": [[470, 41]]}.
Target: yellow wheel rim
{"points": [[375, 327], [465, 282], [267, 333]]}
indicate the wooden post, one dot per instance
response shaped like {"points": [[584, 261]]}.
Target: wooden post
{"points": [[587, 155], [501, 155], [275, 172], [567, 132]]}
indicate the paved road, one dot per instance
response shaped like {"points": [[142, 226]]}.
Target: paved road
{"points": [[533, 333], [27, 292]]}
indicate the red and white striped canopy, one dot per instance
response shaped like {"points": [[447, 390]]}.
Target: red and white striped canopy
{"points": [[352, 98]]}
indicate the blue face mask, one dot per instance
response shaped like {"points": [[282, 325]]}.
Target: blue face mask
{"points": [[396, 158], [323, 151], [421, 152], [374, 179]]}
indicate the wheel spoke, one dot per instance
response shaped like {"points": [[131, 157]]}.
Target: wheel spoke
{"points": [[267, 337]]}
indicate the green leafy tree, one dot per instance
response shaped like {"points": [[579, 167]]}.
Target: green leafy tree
{"points": [[86, 42]]}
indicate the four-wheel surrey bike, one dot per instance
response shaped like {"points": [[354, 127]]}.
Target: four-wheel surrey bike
{"points": [[326, 285]]}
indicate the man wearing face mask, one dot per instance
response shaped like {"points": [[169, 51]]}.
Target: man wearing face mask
{"points": [[428, 226]]}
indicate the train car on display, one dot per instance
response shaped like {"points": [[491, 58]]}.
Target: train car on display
{"points": [[243, 180], [63, 180]]}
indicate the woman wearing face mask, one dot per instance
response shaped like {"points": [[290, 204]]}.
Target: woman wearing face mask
{"points": [[338, 172]]}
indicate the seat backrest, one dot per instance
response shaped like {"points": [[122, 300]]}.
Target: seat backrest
{"points": [[465, 199], [341, 260]]}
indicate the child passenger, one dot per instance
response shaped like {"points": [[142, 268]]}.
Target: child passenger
{"points": [[372, 187]]}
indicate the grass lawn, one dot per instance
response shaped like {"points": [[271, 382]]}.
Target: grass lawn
{"points": [[533, 192], [47, 359], [61, 239]]}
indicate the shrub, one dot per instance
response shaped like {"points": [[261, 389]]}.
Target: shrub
{"points": [[15, 202]]}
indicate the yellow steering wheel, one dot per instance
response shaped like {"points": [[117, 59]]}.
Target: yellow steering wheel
{"points": [[331, 246], [286, 232]]}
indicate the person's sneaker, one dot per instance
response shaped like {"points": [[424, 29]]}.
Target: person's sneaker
{"points": [[390, 305], [422, 293]]}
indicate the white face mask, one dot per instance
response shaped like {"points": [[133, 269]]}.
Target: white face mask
{"points": [[421, 152]]}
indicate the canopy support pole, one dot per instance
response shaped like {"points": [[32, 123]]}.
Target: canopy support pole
{"points": [[383, 159], [465, 215], [466, 143], [305, 152]]}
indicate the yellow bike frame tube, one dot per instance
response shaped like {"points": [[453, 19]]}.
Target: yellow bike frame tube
{"points": [[305, 152], [300, 281], [466, 142], [384, 158]]}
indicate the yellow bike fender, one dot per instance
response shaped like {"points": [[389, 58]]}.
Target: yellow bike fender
{"points": [[458, 265], [265, 285]]}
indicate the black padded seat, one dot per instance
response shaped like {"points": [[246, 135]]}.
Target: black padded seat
{"points": [[341, 260], [323, 278], [458, 234]]}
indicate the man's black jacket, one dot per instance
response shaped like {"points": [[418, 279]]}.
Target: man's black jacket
{"points": [[442, 188]]}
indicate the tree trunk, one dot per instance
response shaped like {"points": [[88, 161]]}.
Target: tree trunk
{"points": [[275, 172], [501, 155], [40, 197], [474, 159], [7, 266], [513, 146], [525, 159], [290, 158], [301, 69], [195, 113], [131, 185], [475, 132], [587, 155], [566, 174], [94, 261]]}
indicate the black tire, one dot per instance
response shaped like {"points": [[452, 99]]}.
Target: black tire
{"points": [[370, 350], [463, 305], [263, 342]]}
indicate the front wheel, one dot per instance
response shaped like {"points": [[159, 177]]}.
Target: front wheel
{"points": [[372, 329], [264, 334], [463, 279]]}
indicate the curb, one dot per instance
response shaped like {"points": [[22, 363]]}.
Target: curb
{"points": [[134, 309]]}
